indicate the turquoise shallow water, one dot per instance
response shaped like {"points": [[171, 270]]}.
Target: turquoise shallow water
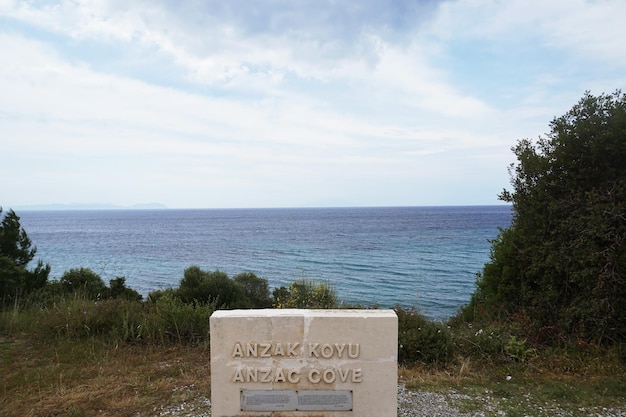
{"points": [[425, 257]]}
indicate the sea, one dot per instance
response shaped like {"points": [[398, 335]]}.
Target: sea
{"points": [[416, 257]]}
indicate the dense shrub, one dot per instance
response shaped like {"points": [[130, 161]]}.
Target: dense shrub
{"points": [[84, 281], [156, 295], [118, 289], [198, 285], [202, 286], [562, 262], [244, 290], [305, 293], [421, 340], [255, 289]]}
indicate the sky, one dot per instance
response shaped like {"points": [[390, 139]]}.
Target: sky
{"points": [[288, 103]]}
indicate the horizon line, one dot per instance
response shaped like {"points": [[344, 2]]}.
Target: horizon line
{"points": [[159, 206]]}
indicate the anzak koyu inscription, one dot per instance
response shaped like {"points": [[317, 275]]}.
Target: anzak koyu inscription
{"points": [[280, 349], [314, 375]]}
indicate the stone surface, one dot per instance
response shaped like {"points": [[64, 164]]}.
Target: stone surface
{"points": [[331, 363]]}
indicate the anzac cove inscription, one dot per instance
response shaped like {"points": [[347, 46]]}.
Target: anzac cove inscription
{"points": [[332, 363]]}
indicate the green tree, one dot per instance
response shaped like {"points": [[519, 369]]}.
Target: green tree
{"points": [[118, 289], [202, 286], [562, 262], [256, 289], [16, 252], [85, 281]]}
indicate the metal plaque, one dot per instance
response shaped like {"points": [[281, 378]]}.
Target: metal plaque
{"points": [[286, 400], [269, 400], [318, 400]]}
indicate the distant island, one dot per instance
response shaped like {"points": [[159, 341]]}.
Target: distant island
{"points": [[92, 206]]}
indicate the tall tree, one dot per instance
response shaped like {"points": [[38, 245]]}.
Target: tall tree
{"points": [[16, 252], [562, 262]]}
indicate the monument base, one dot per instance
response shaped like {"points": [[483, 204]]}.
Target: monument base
{"points": [[296, 363]]}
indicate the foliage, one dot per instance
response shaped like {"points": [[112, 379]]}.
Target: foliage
{"points": [[305, 293], [245, 291], [256, 289], [74, 317], [562, 262], [485, 343], [202, 286], [156, 295], [85, 282], [421, 340], [118, 289], [517, 349], [16, 252], [170, 320]]}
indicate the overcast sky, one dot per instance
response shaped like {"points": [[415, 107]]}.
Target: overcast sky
{"points": [[288, 103]]}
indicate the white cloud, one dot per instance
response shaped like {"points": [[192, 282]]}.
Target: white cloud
{"points": [[363, 101], [584, 28]]}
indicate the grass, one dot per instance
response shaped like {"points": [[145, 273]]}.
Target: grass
{"points": [[91, 377], [74, 357], [554, 383]]}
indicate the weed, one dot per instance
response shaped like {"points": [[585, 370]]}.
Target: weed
{"points": [[517, 349], [421, 340], [306, 293]]}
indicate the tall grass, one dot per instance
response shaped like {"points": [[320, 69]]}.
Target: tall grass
{"points": [[74, 316], [168, 320]]}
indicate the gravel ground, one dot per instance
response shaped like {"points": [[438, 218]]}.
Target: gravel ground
{"points": [[420, 404], [427, 404]]}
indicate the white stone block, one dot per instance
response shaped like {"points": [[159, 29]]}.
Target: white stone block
{"points": [[326, 363]]}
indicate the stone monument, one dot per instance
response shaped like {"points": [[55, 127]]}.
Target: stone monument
{"points": [[326, 363]]}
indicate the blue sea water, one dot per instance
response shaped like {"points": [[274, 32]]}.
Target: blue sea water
{"points": [[423, 257]]}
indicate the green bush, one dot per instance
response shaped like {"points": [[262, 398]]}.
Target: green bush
{"points": [[421, 340], [118, 289], [156, 295], [305, 293], [84, 281], [255, 289], [562, 262], [244, 290], [202, 286], [516, 349]]}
